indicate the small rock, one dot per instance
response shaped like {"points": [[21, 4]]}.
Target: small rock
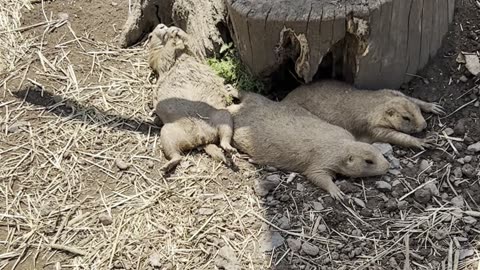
{"points": [[449, 131], [310, 249], [461, 161], [359, 202], [205, 211], [122, 165], [318, 206], [474, 147], [270, 169], [468, 170], [227, 259], [402, 205], [270, 240], [391, 205], [457, 172], [465, 253], [105, 219], [424, 166], [423, 195], [472, 64], [458, 201], [284, 223], [440, 234], [150, 164], [300, 187], [433, 189], [384, 148], [263, 187], [383, 186], [395, 163], [322, 228], [17, 126], [63, 17], [114, 4], [459, 127], [366, 212], [155, 260], [476, 104], [467, 159], [463, 79], [396, 182], [395, 172], [294, 244], [469, 220]]}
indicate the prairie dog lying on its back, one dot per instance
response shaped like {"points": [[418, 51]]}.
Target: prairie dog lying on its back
{"points": [[371, 116], [290, 138], [190, 99]]}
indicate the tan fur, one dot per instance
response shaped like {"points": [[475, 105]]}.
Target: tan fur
{"points": [[290, 138], [190, 99], [372, 116]]}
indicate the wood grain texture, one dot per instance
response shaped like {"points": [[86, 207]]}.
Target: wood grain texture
{"points": [[401, 35]]}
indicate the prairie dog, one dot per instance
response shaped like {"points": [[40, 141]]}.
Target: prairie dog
{"points": [[190, 99], [290, 138], [371, 116]]}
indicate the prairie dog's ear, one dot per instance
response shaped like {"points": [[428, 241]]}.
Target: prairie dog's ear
{"points": [[350, 159]]}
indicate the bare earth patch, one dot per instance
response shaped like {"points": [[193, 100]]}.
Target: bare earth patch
{"points": [[80, 185]]}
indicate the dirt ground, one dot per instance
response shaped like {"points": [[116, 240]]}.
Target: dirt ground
{"points": [[80, 185]]}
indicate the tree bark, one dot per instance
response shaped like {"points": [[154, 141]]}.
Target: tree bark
{"points": [[373, 43]]}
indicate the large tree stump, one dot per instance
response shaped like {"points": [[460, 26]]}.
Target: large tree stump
{"points": [[372, 43], [203, 19]]}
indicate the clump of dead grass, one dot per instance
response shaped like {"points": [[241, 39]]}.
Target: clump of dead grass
{"points": [[12, 44]]}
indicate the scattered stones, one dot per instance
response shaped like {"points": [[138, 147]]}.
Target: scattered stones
{"points": [[459, 128], [63, 16], [300, 187], [468, 170], [263, 187], [396, 182], [449, 131], [395, 163], [284, 223], [423, 195], [359, 202], [322, 228], [424, 166], [155, 260], [440, 234], [294, 244], [395, 172], [122, 165], [105, 219], [227, 259], [458, 201], [318, 206], [474, 147], [206, 211], [463, 79], [457, 172], [465, 253], [17, 126], [384, 148], [469, 220], [270, 240], [402, 205], [472, 64], [383, 186], [433, 188], [467, 159], [310, 249]]}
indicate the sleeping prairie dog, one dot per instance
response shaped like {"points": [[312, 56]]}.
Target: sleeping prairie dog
{"points": [[371, 116], [290, 138], [190, 99]]}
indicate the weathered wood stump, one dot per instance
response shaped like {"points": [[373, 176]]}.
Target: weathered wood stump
{"points": [[203, 19], [373, 43]]}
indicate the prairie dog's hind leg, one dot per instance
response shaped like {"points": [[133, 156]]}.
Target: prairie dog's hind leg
{"points": [[222, 120], [215, 152], [174, 141]]}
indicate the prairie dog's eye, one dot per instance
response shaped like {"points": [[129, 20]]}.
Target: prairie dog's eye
{"points": [[369, 161], [406, 118]]}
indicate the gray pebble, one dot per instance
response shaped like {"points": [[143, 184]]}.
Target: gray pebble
{"points": [[449, 131], [383, 186], [457, 172], [468, 170], [318, 206], [423, 195], [424, 165], [384, 148], [474, 147], [294, 244], [402, 205], [467, 159], [105, 219], [270, 240], [458, 201], [122, 165], [310, 249]]}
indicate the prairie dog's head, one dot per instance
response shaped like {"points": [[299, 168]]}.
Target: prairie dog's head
{"points": [[362, 160], [403, 115], [166, 44]]}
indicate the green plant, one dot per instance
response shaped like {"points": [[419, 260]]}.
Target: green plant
{"points": [[232, 70]]}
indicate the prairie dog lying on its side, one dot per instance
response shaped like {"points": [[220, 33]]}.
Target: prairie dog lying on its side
{"points": [[371, 116], [290, 138], [190, 99]]}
